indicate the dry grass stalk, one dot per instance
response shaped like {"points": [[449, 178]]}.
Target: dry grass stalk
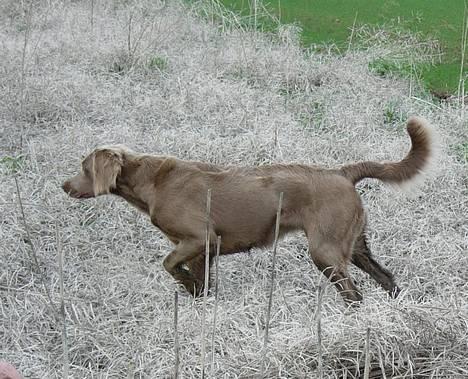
{"points": [[215, 310], [176, 334], [318, 317], [33, 254], [352, 32], [381, 364], [27, 9], [66, 359], [462, 78], [279, 11], [254, 10], [92, 14], [207, 279], [272, 284], [367, 355], [136, 34], [129, 34]]}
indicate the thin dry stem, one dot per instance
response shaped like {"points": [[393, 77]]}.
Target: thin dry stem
{"points": [[272, 284], [461, 82], [176, 335], [367, 355], [22, 88], [215, 310], [33, 254], [92, 15], [207, 279], [66, 359], [318, 317], [381, 364], [352, 32], [129, 35]]}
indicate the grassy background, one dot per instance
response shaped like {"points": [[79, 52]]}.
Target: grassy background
{"points": [[165, 81], [330, 22]]}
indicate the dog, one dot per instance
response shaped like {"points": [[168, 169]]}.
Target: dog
{"points": [[319, 201]]}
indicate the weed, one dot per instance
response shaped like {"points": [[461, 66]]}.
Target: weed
{"points": [[386, 68], [118, 68], [393, 114], [157, 63], [315, 115], [257, 16], [12, 165], [461, 151], [121, 63]]}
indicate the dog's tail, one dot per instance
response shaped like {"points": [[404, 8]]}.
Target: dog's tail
{"points": [[407, 170]]}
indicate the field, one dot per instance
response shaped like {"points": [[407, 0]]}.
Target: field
{"points": [[331, 22], [189, 80]]}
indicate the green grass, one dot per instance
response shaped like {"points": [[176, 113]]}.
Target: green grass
{"points": [[330, 21], [12, 165], [461, 151], [385, 67], [157, 63]]}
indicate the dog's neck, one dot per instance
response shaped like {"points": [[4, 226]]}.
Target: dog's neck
{"points": [[125, 184], [137, 192]]}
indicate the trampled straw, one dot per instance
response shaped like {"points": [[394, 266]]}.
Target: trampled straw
{"points": [[204, 87]]}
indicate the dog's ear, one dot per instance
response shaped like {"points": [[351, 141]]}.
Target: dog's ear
{"points": [[107, 164]]}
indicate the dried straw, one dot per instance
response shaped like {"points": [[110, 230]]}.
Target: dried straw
{"points": [[215, 92]]}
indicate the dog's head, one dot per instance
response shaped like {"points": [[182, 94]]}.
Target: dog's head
{"points": [[99, 172]]}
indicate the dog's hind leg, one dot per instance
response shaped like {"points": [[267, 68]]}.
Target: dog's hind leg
{"points": [[362, 258], [329, 259]]}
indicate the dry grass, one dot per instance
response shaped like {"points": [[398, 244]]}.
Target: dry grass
{"points": [[196, 90]]}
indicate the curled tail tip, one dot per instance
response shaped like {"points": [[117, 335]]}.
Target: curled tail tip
{"points": [[424, 133], [417, 121], [418, 125], [425, 151]]}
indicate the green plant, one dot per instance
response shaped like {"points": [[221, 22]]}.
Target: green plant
{"points": [[12, 164], [256, 15], [461, 151], [314, 116], [121, 63], [157, 63], [386, 67], [393, 114]]}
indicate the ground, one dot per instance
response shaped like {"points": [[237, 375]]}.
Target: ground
{"points": [[174, 80]]}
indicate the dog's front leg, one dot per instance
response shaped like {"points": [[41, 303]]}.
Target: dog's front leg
{"points": [[181, 255], [196, 266]]}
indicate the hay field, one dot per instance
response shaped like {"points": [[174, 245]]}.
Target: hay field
{"points": [[168, 80]]}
